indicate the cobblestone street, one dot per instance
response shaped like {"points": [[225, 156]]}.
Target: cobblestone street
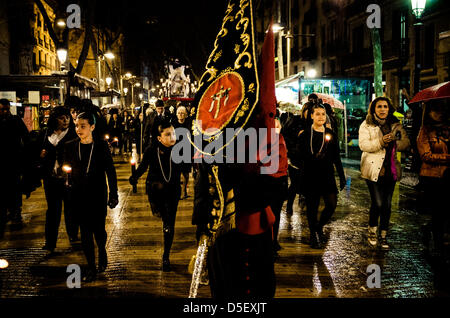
{"points": [[135, 251]]}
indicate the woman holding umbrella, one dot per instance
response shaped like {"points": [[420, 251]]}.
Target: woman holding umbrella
{"points": [[433, 146]]}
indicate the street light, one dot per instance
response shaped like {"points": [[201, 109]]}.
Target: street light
{"points": [[62, 56], [108, 81], [311, 73], [418, 6], [109, 55], [125, 90], [277, 27]]}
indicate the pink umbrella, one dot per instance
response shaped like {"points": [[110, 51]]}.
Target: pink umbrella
{"points": [[328, 99]]}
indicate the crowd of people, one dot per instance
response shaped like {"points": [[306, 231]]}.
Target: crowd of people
{"points": [[73, 159]]}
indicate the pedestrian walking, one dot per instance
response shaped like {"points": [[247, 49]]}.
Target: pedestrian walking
{"points": [[14, 138], [90, 159], [280, 184], [433, 146], [152, 122], [127, 132], [115, 132], [320, 154], [381, 135], [52, 141], [163, 183], [290, 133], [181, 121]]}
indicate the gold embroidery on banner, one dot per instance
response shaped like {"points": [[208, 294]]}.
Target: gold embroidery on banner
{"points": [[237, 48], [217, 56], [249, 42]]}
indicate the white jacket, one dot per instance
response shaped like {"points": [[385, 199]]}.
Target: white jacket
{"points": [[370, 142]]}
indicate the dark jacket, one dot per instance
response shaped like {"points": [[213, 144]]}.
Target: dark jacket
{"points": [[89, 191], [433, 150], [290, 131], [319, 169], [14, 139], [151, 162], [54, 153]]}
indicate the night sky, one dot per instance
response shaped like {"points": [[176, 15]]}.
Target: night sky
{"points": [[158, 30]]}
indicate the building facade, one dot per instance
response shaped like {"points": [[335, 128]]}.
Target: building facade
{"points": [[332, 38]]}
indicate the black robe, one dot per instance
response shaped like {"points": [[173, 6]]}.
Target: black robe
{"points": [[89, 191]]}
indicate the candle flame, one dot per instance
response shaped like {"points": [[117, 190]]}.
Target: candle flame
{"points": [[116, 139], [107, 137], [328, 137], [133, 162], [3, 263], [67, 168]]}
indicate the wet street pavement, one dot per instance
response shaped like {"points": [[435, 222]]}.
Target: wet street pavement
{"points": [[135, 251]]}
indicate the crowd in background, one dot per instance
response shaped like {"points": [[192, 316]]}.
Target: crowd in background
{"points": [[311, 152]]}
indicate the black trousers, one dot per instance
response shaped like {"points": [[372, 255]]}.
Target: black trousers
{"points": [[127, 142], [312, 200], [381, 197], [294, 187], [163, 200], [436, 191], [10, 200], [242, 266], [56, 194], [91, 226], [280, 192]]}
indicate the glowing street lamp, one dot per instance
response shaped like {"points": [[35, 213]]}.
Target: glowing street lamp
{"points": [[311, 73], [109, 55], [62, 55], [108, 80], [125, 90], [277, 27], [418, 6]]}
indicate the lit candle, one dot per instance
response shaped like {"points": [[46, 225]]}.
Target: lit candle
{"points": [[106, 137], [68, 170], [327, 137], [116, 139], [133, 171]]}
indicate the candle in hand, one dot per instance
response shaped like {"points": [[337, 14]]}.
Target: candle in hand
{"points": [[133, 171], [68, 170]]}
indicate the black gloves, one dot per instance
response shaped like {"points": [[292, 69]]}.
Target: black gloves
{"points": [[113, 200], [342, 183]]}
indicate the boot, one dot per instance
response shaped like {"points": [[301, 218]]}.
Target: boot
{"points": [[383, 241], [372, 236]]}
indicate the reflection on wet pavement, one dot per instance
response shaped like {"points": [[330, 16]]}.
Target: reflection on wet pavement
{"points": [[135, 251]]}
